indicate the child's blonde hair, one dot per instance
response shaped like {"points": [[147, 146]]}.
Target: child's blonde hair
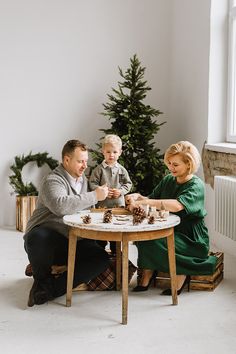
{"points": [[187, 151], [113, 140]]}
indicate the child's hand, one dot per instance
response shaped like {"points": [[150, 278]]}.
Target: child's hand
{"points": [[116, 193], [110, 193]]}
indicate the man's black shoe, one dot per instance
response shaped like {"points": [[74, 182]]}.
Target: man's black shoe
{"points": [[41, 296], [40, 293], [31, 301]]}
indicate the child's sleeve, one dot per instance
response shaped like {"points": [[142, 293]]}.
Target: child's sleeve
{"points": [[125, 182], [94, 179]]}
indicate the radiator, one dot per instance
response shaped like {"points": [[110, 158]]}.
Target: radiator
{"points": [[225, 205]]}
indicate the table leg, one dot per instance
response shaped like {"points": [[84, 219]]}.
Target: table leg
{"points": [[118, 265], [172, 267], [70, 267], [125, 251]]}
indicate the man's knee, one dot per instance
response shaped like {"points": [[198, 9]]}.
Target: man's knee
{"points": [[37, 240]]}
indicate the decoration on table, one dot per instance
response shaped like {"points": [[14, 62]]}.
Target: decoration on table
{"points": [[162, 210], [154, 212], [86, 219], [20, 161], [146, 208], [151, 220], [163, 214], [139, 215], [107, 216]]}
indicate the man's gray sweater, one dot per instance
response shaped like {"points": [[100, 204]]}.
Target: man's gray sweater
{"points": [[56, 199]]}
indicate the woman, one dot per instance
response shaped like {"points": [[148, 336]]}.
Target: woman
{"points": [[182, 193]]}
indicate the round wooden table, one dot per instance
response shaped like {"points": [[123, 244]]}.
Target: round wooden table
{"points": [[122, 231]]}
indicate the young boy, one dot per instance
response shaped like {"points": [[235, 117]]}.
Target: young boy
{"points": [[111, 173]]}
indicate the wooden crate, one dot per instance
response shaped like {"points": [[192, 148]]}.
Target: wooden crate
{"points": [[25, 206], [198, 282]]}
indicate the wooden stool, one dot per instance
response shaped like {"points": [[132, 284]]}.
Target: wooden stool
{"points": [[198, 282]]}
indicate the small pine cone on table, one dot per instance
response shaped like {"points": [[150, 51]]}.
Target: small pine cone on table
{"points": [[151, 220], [86, 219], [107, 216], [139, 215]]}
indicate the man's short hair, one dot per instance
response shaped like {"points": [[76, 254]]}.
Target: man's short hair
{"points": [[71, 145]]}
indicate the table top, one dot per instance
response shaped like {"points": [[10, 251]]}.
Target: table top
{"points": [[120, 223]]}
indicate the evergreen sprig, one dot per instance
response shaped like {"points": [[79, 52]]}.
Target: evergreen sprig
{"points": [[15, 180], [133, 121]]}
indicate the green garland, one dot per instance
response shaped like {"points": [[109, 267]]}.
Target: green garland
{"points": [[20, 161]]}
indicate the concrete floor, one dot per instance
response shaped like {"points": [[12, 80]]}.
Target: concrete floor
{"points": [[202, 323]]}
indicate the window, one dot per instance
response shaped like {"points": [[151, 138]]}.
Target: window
{"points": [[231, 125]]}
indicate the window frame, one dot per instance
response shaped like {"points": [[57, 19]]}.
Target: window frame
{"points": [[231, 104]]}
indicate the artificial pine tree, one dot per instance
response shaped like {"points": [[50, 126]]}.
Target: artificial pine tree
{"points": [[132, 121]]}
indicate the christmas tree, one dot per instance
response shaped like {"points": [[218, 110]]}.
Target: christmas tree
{"points": [[132, 120]]}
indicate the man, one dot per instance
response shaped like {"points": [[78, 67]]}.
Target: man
{"points": [[63, 191]]}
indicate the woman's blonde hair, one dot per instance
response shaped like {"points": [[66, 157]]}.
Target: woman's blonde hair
{"points": [[187, 151]]}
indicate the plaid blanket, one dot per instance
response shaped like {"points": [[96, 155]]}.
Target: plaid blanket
{"points": [[107, 279]]}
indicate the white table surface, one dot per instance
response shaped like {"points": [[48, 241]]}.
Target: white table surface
{"points": [[120, 223]]}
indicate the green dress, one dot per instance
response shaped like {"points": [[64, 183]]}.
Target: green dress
{"points": [[191, 235]]}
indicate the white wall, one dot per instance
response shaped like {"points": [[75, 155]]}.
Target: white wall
{"points": [[188, 84], [59, 60]]}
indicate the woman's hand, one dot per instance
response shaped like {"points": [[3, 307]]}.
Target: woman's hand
{"points": [[130, 206], [131, 198]]}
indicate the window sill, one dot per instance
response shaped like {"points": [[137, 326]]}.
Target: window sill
{"points": [[228, 148]]}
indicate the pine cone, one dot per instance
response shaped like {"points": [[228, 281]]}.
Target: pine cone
{"points": [[139, 215], [107, 216], [86, 219], [151, 220]]}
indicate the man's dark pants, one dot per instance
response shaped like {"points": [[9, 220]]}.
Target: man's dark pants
{"points": [[46, 247]]}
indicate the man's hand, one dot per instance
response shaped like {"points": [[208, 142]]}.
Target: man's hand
{"points": [[101, 192]]}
